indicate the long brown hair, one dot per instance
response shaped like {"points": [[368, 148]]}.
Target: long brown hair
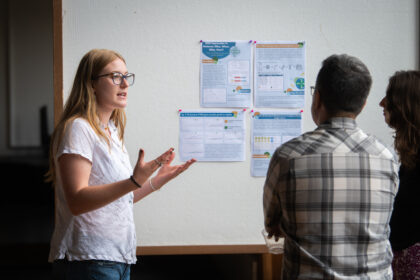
{"points": [[82, 103], [403, 105]]}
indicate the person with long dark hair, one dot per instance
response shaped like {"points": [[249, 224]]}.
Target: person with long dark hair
{"points": [[402, 112]]}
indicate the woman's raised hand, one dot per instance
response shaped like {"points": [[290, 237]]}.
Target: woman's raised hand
{"points": [[167, 172], [143, 170]]}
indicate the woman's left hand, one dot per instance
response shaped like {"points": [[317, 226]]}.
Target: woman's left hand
{"points": [[167, 171]]}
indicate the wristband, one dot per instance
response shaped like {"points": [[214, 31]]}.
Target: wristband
{"points": [[134, 182], [151, 185]]}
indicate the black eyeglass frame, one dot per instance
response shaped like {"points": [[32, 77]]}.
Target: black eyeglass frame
{"points": [[119, 75]]}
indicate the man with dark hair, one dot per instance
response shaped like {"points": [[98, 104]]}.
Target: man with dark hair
{"points": [[330, 191]]}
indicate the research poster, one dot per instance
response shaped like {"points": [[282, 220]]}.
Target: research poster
{"points": [[226, 74], [212, 136], [269, 131], [279, 74]]}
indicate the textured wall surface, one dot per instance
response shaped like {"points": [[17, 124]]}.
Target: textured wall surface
{"points": [[220, 203]]}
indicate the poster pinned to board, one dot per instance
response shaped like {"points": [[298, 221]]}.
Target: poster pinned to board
{"points": [[269, 131], [226, 74], [279, 74], [212, 135]]}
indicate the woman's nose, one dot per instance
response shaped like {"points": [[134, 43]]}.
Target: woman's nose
{"points": [[383, 102], [124, 83]]}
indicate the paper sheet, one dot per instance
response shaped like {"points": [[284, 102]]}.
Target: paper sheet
{"points": [[269, 131], [212, 136], [225, 74], [279, 74]]}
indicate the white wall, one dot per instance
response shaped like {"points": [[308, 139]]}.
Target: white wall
{"points": [[220, 203]]}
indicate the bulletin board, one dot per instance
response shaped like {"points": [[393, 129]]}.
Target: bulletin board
{"points": [[216, 207]]}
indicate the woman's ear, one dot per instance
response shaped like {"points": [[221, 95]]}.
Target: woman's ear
{"points": [[93, 83]]}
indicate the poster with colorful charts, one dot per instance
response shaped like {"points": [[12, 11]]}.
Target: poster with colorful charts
{"points": [[269, 131], [279, 74], [225, 74], [212, 135]]}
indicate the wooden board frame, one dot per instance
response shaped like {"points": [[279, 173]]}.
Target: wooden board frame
{"points": [[203, 249]]}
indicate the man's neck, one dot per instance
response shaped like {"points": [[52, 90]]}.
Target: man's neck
{"points": [[344, 115], [325, 117]]}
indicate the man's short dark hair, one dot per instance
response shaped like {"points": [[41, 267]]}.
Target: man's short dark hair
{"points": [[343, 84]]}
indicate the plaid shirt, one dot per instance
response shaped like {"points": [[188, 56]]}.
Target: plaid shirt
{"points": [[330, 192]]}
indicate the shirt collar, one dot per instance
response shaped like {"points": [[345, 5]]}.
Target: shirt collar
{"points": [[347, 123], [111, 126]]}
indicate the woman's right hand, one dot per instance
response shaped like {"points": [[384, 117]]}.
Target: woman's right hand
{"points": [[143, 170]]}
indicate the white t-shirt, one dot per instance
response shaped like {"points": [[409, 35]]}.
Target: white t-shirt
{"points": [[107, 233]]}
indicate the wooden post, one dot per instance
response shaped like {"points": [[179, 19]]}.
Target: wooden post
{"points": [[271, 266], [57, 58]]}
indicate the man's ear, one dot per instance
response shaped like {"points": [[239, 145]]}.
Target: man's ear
{"points": [[364, 104], [317, 100], [316, 107]]}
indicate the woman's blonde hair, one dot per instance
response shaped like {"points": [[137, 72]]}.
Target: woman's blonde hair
{"points": [[82, 103]]}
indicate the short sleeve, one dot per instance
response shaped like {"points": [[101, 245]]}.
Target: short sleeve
{"points": [[79, 138]]}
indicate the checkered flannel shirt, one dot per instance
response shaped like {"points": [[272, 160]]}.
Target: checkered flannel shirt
{"points": [[330, 192]]}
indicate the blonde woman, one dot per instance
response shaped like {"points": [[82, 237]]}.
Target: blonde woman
{"points": [[95, 185]]}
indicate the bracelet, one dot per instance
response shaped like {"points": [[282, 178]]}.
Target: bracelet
{"points": [[134, 181], [151, 185]]}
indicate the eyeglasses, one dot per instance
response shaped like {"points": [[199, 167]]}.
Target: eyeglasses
{"points": [[118, 78]]}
